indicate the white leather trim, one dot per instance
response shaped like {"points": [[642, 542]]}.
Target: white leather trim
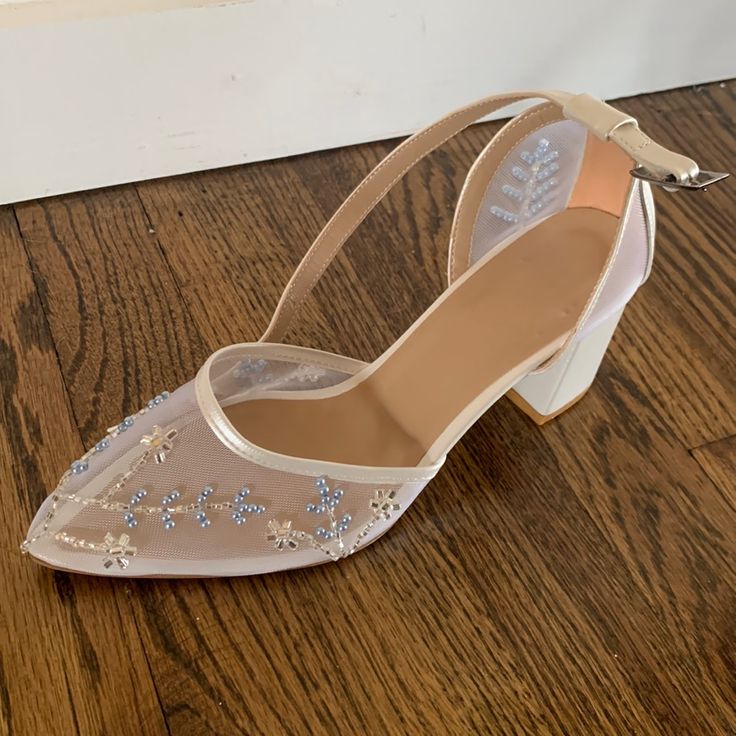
{"points": [[650, 220]]}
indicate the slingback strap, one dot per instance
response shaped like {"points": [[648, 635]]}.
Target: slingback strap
{"points": [[603, 120], [655, 163]]}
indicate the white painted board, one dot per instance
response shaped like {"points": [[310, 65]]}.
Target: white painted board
{"points": [[99, 93]]}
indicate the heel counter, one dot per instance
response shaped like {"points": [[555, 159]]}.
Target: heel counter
{"points": [[650, 224]]}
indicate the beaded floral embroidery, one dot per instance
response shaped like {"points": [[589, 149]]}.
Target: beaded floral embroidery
{"points": [[160, 444], [172, 506], [305, 373], [119, 551], [329, 538], [535, 184], [252, 370], [116, 551]]}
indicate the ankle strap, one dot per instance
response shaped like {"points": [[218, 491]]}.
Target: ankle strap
{"points": [[609, 124], [603, 120]]}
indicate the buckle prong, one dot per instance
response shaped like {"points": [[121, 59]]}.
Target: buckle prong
{"points": [[701, 181]]}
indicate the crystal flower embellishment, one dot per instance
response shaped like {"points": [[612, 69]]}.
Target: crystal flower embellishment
{"points": [[330, 538], [158, 443], [117, 551], [280, 533], [383, 503]]}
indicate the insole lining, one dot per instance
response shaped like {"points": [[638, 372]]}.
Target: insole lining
{"points": [[525, 298]]}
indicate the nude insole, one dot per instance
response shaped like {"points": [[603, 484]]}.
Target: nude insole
{"points": [[522, 301]]}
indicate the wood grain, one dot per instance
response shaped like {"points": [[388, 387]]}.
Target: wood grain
{"points": [[718, 459], [113, 309], [71, 659], [577, 579]]}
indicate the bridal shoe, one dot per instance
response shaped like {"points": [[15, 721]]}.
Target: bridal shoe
{"points": [[278, 457]]}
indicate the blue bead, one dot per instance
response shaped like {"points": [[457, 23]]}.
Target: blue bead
{"points": [[79, 466], [205, 523], [169, 525], [165, 395], [103, 444]]}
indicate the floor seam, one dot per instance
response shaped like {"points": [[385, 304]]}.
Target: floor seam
{"points": [[708, 444]]}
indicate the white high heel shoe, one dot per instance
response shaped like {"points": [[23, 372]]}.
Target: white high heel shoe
{"points": [[277, 457]]}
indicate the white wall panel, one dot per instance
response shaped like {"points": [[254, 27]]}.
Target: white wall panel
{"points": [[98, 93]]}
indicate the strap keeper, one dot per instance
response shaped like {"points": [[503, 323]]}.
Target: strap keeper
{"points": [[600, 118]]}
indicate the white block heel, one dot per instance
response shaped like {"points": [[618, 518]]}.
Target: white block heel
{"points": [[546, 394]]}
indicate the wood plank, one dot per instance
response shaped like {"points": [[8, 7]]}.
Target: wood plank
{"points": [[114, 311], [71, 659], [223, 228], [718, 459], [681, 346], [650, 558], [222, 235]]}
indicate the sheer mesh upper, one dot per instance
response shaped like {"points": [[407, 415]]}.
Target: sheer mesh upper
{"points": [[534, 181], [96, 524], [162, 494]]}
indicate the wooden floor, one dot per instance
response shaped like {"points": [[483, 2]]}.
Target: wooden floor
{"points": [[575, 579]]}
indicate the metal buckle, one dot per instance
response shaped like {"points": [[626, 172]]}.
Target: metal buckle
{"points": [[703, 180]]}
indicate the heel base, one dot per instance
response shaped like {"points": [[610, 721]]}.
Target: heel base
{"points": [[533, 414]]}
